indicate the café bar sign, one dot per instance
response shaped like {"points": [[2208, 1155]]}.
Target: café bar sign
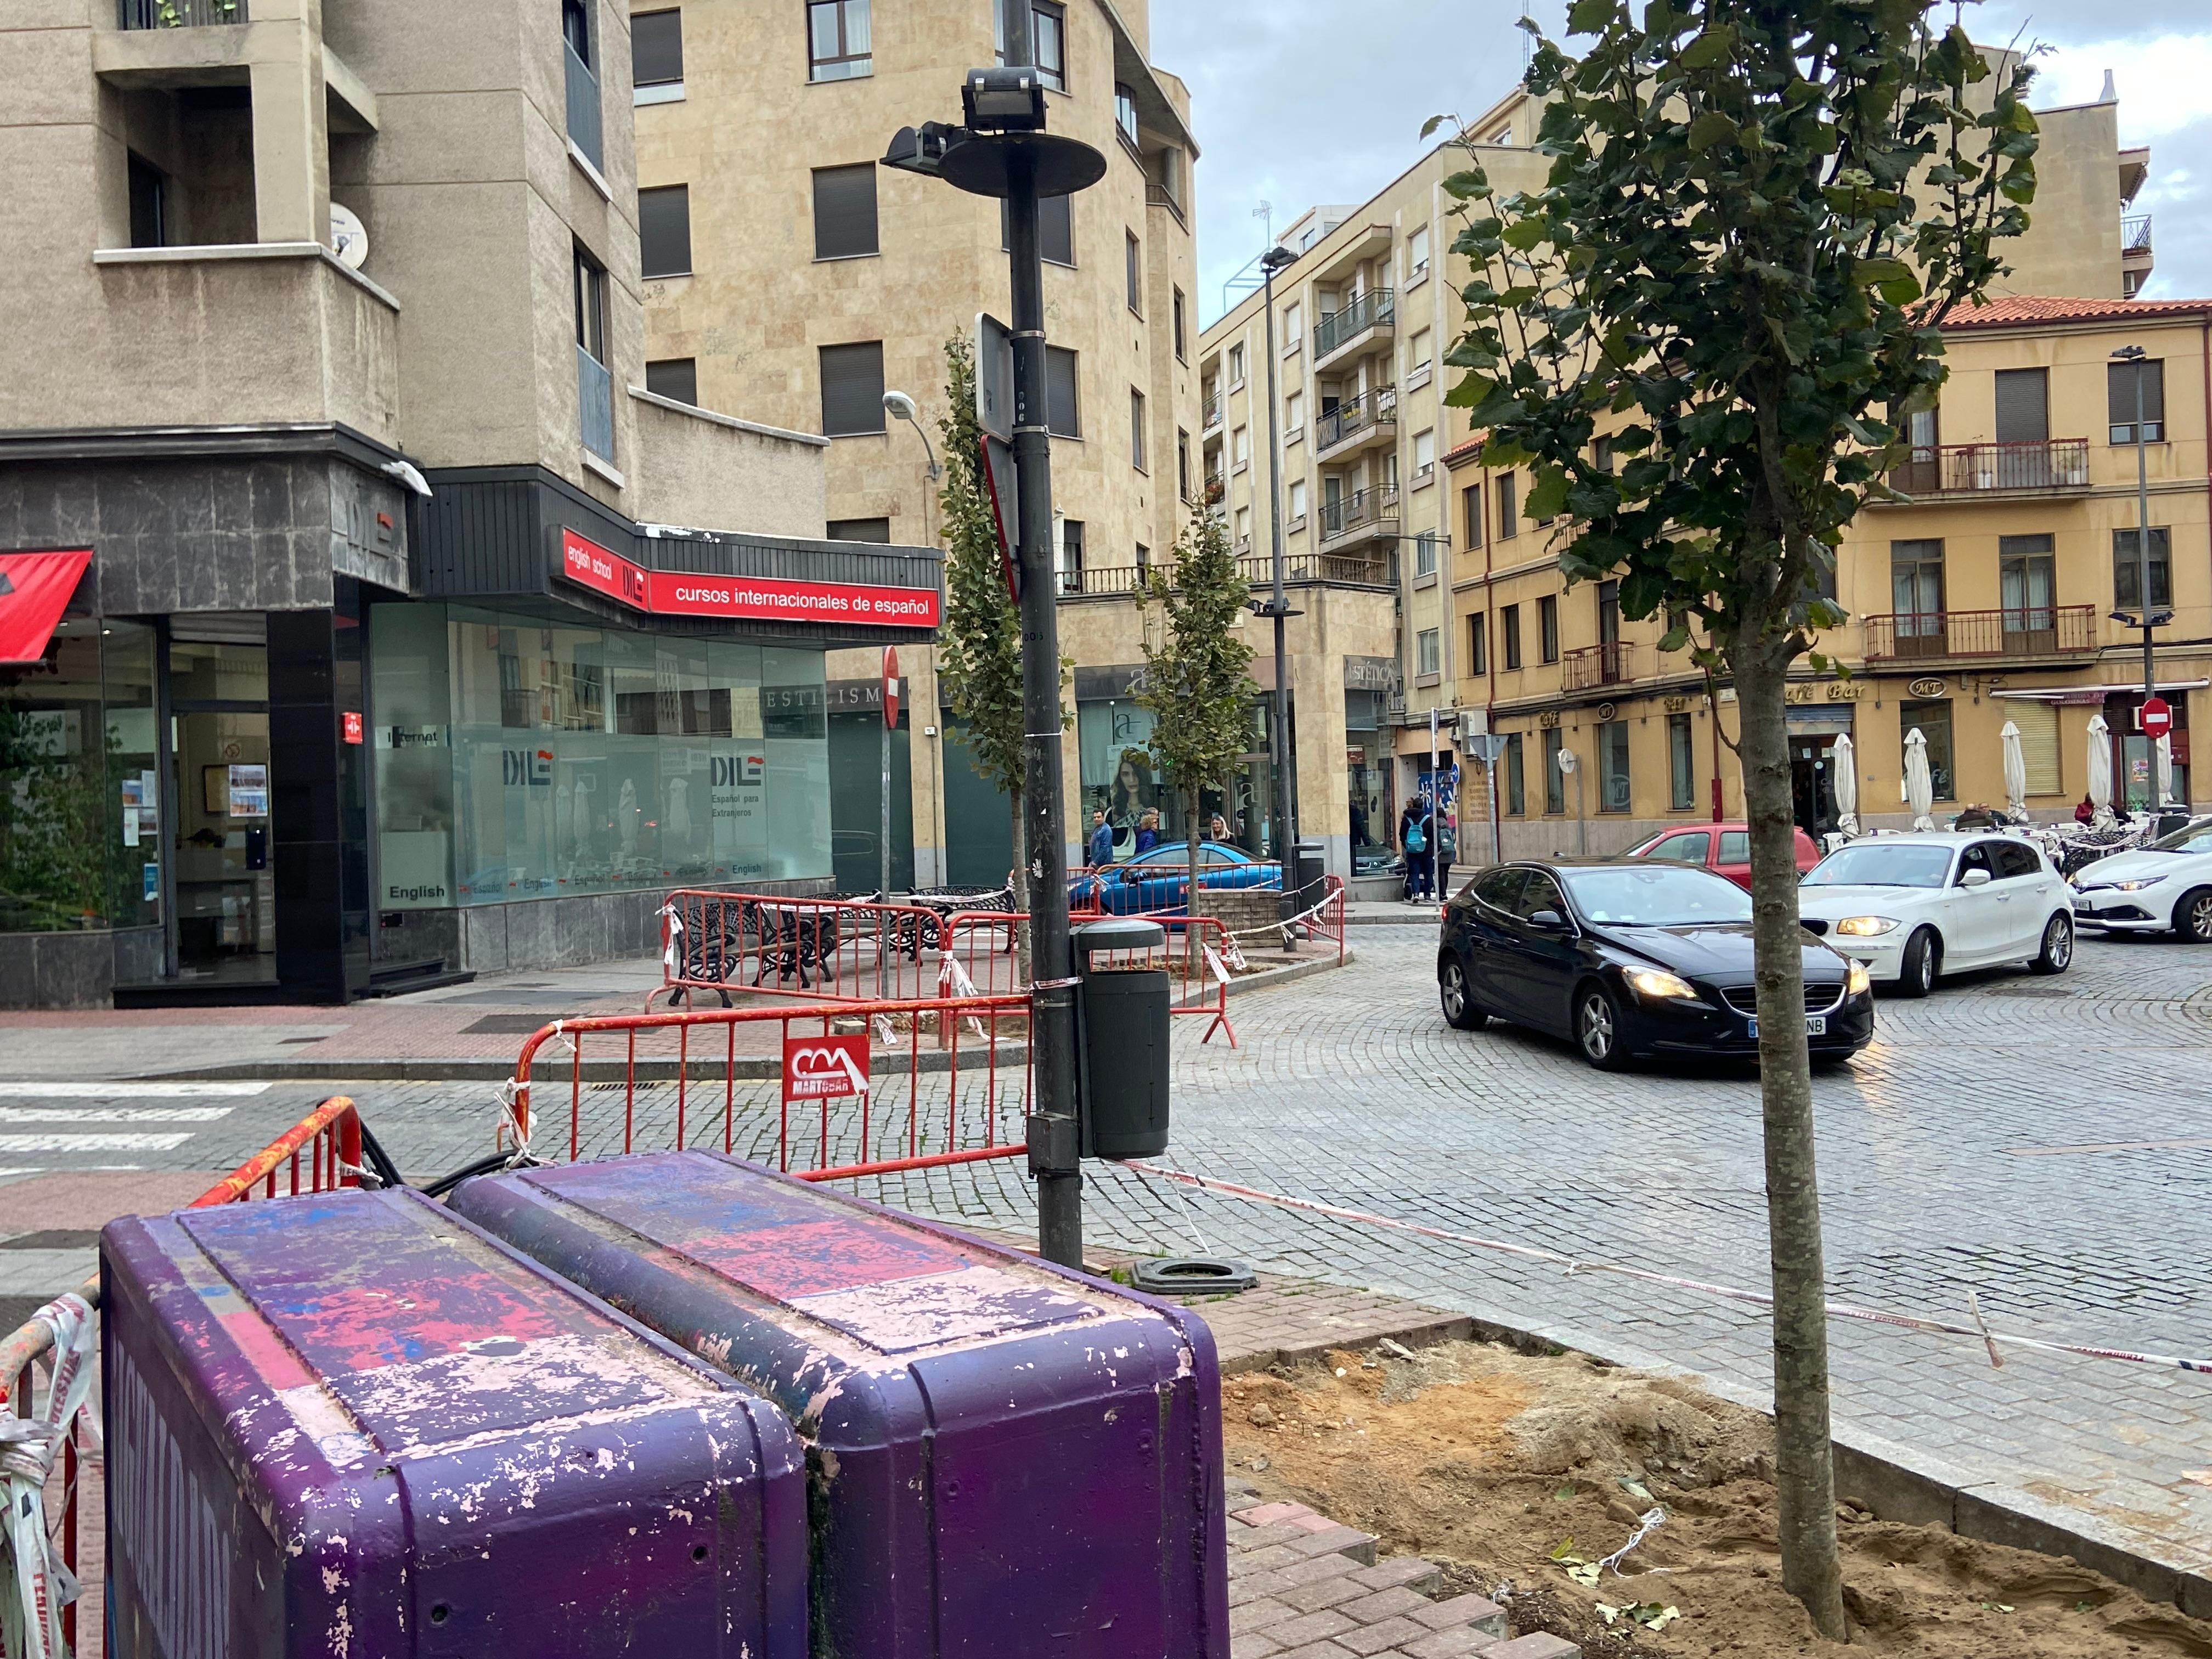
{"points": [[741, 599]]}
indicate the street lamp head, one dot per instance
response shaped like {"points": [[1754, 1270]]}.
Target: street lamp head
{"points": [[922, 149], [898, 404], [2158, 619], [2126, 618], [1276, 258], [1007, 99], [2129, 353]]}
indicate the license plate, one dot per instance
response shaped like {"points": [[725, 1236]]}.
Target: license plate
{"points": [[2082, 907], [1815, 1025]]}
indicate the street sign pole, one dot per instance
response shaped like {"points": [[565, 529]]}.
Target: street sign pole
{"points": [[891, 720]]}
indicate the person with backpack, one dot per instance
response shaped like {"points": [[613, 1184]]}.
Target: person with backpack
{"points": [[1414, 833]]}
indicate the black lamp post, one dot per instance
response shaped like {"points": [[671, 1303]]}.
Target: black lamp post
{"points": [[2135, 354], [1286, 744]]}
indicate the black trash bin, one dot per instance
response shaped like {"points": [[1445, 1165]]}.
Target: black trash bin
{"points": [[1121, 1037], [1302, 882]]}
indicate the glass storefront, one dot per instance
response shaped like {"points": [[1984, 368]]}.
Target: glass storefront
{"points": [[517, 758], [1117, 776], [1367, 755]]}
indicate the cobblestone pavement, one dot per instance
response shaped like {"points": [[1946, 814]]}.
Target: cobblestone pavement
{"points": [[2043, 1144]]}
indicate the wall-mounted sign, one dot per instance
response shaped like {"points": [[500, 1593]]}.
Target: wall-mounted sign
{"points": [[1825, 691], [349, 724], [1603, 713], [684, 593], [1927, 686], [1548, 719]]}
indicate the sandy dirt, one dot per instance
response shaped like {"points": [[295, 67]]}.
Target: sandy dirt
{"points": [[1488, 1461]]}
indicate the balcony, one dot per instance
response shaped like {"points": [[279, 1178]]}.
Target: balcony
{"points": [[595, 403], [1358, 423], [1100, 581], [1159, 196], [179, 14], [584, 119], [1360, 516], [1593, 665], [1209, 419], [2053, 464], [2135, 234], [2034, 631], [1330, 569], [1366, 321]]}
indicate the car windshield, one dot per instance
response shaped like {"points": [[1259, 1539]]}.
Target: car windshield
{"points": [[1873, 864], [1657, 896], [2192, 838]]}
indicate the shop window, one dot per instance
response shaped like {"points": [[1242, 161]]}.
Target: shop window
{"points": [[853, 389], [1612, 795], [845, 212], [1682, 764], [1932, 719], [674, 378], [1517, 795], [1555, 780]]}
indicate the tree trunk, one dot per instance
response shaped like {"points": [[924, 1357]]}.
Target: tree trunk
{"points": [[1191, 793], [1018, 879], [1804, 1475]]}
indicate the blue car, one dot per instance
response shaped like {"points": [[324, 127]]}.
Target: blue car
{"points": [[1157, 882]]}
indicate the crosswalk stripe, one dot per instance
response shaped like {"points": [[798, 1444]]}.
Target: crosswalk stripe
{"points": [[114, 1114], [110, 1143], [126, 1089]]}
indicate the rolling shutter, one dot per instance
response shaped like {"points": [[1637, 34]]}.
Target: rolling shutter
{"points": [[2023, 405], [845, 211], [664, 231], [2039, 743], [852, 388]]}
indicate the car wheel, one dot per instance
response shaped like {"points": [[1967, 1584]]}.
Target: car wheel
{"points": [[2057, 953], [1598, 1027], [1460, 1011], [2192, 917], [1923, 965]]}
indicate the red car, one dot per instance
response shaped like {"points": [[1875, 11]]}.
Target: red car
{"points": [[1722, 848]]}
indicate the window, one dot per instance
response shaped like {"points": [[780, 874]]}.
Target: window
{"points": [[1426, 658], [2013, 859], [1509, 625], [1932, 721], [1417, 254], [2023, 405], [1688, 848], [1612, 795], [2121, 384], [1144, 560], [1243, 526], [1509, 522], [149, 203], [1417, 357], [1125, 113], [1055, 230], [1424, 553], [1182, 463], [595, 387], [860, 530], [1240, 447], [576, 30], [1294, 413], [1471, 514], [1294, 324], [1236, 364], [1517, 795], [1049, 38], [656, 48], [1134, 260], [1137, 429], [1063, 412], [1608, 613], [591, 305], [1071, 556], [676, 378], [1681, 768], [1297, 503], [1601, 454], [845, 211], [853, 389], [1425, 454], [1547, 627], [1736, 847], [664, 231], [1477, 654], [1916, 594], [837, 39], [2027, 580], [2127, 570], [1555, 780], [1177, 309]]}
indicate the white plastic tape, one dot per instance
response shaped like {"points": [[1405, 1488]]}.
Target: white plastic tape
{"points": [[35, 1585]]}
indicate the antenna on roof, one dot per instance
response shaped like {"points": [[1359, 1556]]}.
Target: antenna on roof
{"points": [[1266, 211]]}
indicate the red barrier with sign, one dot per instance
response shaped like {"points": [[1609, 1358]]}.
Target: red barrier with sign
{"points": [[825, 1067]]}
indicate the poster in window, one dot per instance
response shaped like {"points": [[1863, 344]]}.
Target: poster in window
{"points": [[249, 791]]}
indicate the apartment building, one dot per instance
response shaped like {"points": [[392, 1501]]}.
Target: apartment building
{"points": [[356, 626], [788, 274], [1465, 622]]}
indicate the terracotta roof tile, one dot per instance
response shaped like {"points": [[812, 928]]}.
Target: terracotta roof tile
{"points": [[2015, 310]]}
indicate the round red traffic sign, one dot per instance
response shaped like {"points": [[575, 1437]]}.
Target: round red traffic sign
{"points": [[2157, 718], [890, 687]]}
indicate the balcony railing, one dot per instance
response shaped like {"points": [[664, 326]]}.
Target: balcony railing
{"points": [[595, 398], [180, 13], [1209, 415], [1305, 569], [1362, 509], [2135, 234], [1161, 196], [1971, 468], [1101, 580], [1593, 665], [1373, 309], [2036, 630], [1356, 417], [583, 125]]}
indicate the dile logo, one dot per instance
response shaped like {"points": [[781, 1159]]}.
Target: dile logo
{"points": [[729, 771], [527, 767], [633, 585]]}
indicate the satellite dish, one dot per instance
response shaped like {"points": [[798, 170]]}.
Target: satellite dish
{"points": [[348, 237]]}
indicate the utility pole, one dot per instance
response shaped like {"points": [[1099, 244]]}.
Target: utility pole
{"points": [[2135, 357], [1285, 754]]}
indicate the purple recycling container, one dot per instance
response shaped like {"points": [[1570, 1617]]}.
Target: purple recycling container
{"points": [[1006, 1460], [352, 1426]]}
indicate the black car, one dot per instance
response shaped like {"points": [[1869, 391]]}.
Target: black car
{"points": [[1627, 957]]}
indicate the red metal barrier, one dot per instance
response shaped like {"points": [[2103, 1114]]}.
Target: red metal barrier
{"points": [[823, 950], [979, 956]]}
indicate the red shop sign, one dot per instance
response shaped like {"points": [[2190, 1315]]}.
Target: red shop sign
{"points": [[683, 593]]}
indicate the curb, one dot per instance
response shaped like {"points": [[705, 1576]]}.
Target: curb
{"points": [[1412, 918], [1285, 974], [749, 1068]]}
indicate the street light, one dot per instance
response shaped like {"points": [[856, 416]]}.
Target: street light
{"points": [[2135, 355], [903, 406], [1285, 755]]}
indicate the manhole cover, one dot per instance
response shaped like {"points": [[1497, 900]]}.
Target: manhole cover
{"points": [[1191, 1275], [506, 1024]]}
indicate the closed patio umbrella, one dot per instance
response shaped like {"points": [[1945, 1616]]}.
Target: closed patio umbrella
{"points": [[2015, 771], [1919, 787], [1844, 761], [2165, 764], [2100, 772]]}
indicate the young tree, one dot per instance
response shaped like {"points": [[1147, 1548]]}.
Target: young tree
{"points": [[1196, 686], [1757, 215]]}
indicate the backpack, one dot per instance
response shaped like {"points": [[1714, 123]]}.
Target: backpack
{"points": [[1415, 841]]}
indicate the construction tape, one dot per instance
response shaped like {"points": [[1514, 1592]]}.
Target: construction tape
{"points": [[35, 1584], [1757, 1299]]}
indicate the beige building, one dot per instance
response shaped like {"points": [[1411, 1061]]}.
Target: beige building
{"points": [[347, 611], [1382, 494], [787, 274]]}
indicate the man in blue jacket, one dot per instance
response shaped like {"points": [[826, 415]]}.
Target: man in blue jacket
{"points": [[1102, 840]]}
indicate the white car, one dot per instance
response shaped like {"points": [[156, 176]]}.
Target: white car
{"points": [[1914, 906], [2165, 885]]}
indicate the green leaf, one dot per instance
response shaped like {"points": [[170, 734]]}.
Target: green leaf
{"points": [[1709, 49], [1524, 233], [1590, 16], [1868, 273], [1548, 499], [1468, 184], [1711, 130], [1432, 123], [1565, 1549]]}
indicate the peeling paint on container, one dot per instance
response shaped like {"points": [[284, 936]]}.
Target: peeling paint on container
{"points": [[352, 1426], [979, 1487]]}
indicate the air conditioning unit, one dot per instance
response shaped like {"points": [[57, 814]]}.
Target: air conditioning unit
{"points": [[1473, 723]]}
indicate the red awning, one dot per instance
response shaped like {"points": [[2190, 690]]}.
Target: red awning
{"points": [[34, 588]]}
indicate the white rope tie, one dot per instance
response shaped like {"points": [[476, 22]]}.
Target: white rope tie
{"points": [[35, 1585]]}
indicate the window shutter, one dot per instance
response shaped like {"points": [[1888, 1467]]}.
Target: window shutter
{"points": [[1055, 230], [2120, 393], [2023, 405], [845, 211], [674, 377], [2039, 743], [852, 388], [1063, 414], [656, 47], [664, 231]]}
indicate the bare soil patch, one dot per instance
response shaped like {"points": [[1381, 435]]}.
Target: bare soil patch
{"points": [[1487, 1462]]}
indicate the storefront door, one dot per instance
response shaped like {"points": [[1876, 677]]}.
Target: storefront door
{"points": [[1813, 734], [221, 843]]}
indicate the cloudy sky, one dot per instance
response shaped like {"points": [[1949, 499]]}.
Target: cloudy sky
{"points": [[1300, 102]]}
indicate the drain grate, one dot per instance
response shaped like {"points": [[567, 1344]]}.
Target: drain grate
{"points": [[506, 1024]]}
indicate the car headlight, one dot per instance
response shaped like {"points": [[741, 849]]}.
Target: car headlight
{"points": [[1865, 927], [1659, 985], [2136, 885], [1857, 981]]}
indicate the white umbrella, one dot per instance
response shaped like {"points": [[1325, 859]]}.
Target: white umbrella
{"points": [[1919, 788], [2015, 771], [2100, 773], [1845, 764], [2165, 763]]}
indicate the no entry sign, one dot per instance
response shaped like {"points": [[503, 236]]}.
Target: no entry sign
{"points": [[2157, 718], [825, 1067]]}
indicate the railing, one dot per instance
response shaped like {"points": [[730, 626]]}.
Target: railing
{"points": [[595, 402], [1376, 309], [2135, 234], [1161, 196], [1305, 569], [1966, 469], [180, 13], [1209, 415], [1594, 665], [1362, 509], [1355, 416], [1095, 581], [822, 949], [2043, 630], [584, 119]]}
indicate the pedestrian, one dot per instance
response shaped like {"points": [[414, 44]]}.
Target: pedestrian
{"points": [[1148, 832], [2085, 813], [1217, 827], [1413, 837], [1102, 840]]}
